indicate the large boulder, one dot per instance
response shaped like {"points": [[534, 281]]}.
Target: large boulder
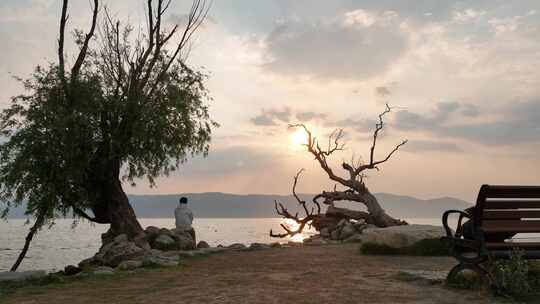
{"points": [[401, 236], [164, 242], [347, 231], [130, 265], [183, 239], [202, 244], [114, 253]]}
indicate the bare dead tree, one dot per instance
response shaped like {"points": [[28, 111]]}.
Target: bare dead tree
{"points": [[355, 187]]}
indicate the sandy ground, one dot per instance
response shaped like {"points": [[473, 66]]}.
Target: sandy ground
{"points": [[310, 274]]}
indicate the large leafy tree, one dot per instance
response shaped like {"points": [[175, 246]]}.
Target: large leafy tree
{"points": [[128, 107]]}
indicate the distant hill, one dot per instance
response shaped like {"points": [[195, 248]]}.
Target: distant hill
{"points": [[223, 205]]}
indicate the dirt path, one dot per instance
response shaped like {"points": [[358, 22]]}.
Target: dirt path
{"points": [[316, 274]]}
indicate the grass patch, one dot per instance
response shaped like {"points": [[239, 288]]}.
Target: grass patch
{"points": [[426, 247]]}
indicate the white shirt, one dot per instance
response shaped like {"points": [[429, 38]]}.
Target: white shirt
{"points": [[184, 217]]}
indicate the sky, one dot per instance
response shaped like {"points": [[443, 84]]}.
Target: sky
{"points": [[462, 77]]}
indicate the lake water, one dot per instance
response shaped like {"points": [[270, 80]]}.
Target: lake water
{"points": [[63, 244]]}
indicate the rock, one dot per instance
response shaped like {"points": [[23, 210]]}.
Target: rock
{"points": [[401, 236], [325, 233], [237, 246], [359, 227], [21, 275], [275, 245], [355, 238], [342, 222], [200, 252], [117, 253], [360, 222], [70, 270], [129, 265], [122, 238], [161, 261], [142, 240], [334, 235], [212, 250], [203, 244], [165, 231], [164, 242], [189, 253], [347, 231], [183, 239], [103, 270], [152, 230], [90, 262], [259, 246]]}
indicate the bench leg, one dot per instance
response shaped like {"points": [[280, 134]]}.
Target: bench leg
{"points": [[483, 273]]}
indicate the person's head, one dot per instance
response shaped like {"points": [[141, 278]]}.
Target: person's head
{"points": [[183, 200]]}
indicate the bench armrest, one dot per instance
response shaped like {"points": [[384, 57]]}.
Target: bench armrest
{"points": [[459, 228]]}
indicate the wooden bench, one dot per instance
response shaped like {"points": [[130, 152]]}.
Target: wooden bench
{"points": [[500, 213]]}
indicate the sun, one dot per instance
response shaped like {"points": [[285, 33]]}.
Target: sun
{"points": [[299, 137]]}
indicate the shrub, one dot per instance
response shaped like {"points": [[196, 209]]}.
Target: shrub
{"points": [[512, 276], [426, 247]]}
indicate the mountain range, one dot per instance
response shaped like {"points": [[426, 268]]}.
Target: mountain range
{"points": [[224, 205]]}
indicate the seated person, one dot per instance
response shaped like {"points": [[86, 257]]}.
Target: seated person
{"points": [[184, 217]]}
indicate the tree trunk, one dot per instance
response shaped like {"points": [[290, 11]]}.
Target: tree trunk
{"points": [[123, 218], [112, 205], [378, 214], [29, 237]]}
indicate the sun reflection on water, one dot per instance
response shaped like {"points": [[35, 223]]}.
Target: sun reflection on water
{"points": [[299, 237]]}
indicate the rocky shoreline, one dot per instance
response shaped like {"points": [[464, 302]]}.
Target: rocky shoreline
{"points": [[163, 247]]}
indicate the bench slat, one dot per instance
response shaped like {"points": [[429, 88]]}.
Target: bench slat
{"points": [[510, 214], [511, 204], [511, 191], [511, 226], [525, 245]]}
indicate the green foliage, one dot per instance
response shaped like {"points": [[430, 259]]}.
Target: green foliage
{"points": [[122, 115], [516, 277], [426, 247]]}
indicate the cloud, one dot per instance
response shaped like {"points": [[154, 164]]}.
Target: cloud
{"points": [[356, 45], [468, 15], [309, 116], [428, 145], [359, 125], [228, 161], [272, 117], [516, 123], [382, 91]]}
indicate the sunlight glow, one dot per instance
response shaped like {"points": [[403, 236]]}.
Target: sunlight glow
{"points": [[299, 137], [291, 224]]}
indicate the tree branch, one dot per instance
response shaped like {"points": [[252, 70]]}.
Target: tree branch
{"points": [[82, 53]]}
